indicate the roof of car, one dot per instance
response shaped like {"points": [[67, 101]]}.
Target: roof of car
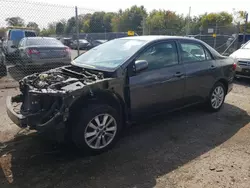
{"points": [[150, 38], [40, 38]]}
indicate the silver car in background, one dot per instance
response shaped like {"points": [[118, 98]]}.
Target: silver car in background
{"points": [[242, 57], [42, 52]]}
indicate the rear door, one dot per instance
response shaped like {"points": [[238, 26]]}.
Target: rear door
{"points": [[200, 68], [161, 86]]}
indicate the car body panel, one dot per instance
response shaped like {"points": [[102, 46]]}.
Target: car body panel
{"points": [[150, 91]]}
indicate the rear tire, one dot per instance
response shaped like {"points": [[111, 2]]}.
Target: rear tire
{"points": [[216, 97], [97, 129]]}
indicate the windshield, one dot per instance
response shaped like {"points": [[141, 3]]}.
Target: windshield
{"points": [[246, 46], [43, 42], [111, 54]]}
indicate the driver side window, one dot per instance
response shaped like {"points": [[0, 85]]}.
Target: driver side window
{"points": [[160, 55]]}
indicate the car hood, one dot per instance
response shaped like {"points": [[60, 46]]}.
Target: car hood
{"points": [[63, 80], [241, 54]]}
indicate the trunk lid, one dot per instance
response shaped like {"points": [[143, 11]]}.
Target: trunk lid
{"points": [[45, 52]]}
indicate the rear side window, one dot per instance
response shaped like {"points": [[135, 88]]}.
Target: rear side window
{"points": [[192, 52], [30, 34], [16, 35]]}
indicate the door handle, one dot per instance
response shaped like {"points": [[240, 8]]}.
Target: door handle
{"points": [[178, 74], [213, 67]]}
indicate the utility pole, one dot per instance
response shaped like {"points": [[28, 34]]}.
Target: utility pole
{"points": [[216, 28], [77, 31], [144, 26], [245, 28], [188, 21]]}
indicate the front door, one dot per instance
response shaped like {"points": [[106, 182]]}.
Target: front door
{"points": [[161, 85]]}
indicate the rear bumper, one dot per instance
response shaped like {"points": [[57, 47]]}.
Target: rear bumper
{"points": [[54, 126], [46, 62]]}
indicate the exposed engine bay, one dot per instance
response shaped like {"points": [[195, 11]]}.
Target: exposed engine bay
{"points": [[46, 98], [63, 79]]}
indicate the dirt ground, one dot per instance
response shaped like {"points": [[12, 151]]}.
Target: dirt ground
{"points": [[189, 148]]}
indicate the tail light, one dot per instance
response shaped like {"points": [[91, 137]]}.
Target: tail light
{"points": [[32, 51], [234, 66], [67, 50]]}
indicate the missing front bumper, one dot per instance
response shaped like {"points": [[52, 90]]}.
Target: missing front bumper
{"points": [[17, 118], [56, 121]]}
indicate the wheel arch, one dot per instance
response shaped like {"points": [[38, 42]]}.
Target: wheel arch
{"points": [[99, 97], [224, 82]]}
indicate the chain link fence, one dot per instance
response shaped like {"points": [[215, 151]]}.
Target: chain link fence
{"points": [[37, 36]]}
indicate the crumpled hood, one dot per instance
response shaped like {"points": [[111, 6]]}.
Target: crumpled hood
{"points": [[241, 54]]}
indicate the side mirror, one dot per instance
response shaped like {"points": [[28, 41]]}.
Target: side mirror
{"points": [[13, 46], [141, 65]]}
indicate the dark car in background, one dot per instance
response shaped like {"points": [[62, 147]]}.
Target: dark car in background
{"points": [[98, 42], [119, 82], [67, 41], [35, 52], [83, 44]]}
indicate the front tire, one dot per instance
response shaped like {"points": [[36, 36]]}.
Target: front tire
{"points": [[97, 130], [216, 97]]}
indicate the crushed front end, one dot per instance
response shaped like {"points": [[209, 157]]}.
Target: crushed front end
{"points": [[45, 99]]}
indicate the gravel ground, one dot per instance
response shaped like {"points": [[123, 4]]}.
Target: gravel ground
{"points": [[189, 148]]}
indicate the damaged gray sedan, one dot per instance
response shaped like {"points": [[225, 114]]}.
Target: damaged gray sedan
{"points": [[117, 83]]}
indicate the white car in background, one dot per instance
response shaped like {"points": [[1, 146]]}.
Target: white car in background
{"points": [[242, 56]]}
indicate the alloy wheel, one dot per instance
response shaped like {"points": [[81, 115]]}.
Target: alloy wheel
{"points": [[100, 131], [217, 97]]}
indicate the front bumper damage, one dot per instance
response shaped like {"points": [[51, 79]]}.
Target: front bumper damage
{"points": [[51, 122], [36, 120], [45, 100]]}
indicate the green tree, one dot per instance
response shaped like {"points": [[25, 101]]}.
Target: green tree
{"points": [[71, 26], [60, 28], [221, 18], [107, 21], [34, 26], [130, 19], [44, 33], [15, 21], [51, 30], [96, 23], [84, 21], [165, 22]]}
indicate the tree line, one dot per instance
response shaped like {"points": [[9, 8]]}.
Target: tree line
{"points": [[137, 19]]}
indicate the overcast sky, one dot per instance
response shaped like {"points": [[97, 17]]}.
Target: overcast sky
{"points": [[43, 14]]}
